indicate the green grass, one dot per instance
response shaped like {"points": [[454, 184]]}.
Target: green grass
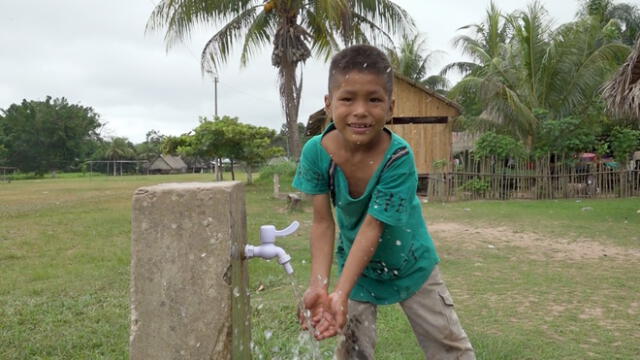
{"points": [[65, 254]]}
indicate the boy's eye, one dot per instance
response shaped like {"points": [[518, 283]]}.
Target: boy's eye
{"points": [[375, 99], [345, 98]]}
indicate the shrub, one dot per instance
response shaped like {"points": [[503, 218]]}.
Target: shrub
{"points": [[501, 146], [623, 142], [476, 186], [286, 170]]}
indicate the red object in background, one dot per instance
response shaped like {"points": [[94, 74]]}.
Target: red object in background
{"points": [[588, 156]]}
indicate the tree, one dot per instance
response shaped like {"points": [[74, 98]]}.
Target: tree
{"points": [[541, 70], [410, 60], [48, 135], [282, 138], [295, 28], [3, 149], [623, 19], [151, 148], [257, 148], [485, 43], [226, 137], [119, 148]]}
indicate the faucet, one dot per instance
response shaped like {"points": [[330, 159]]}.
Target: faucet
{"points": [[268, 249]]}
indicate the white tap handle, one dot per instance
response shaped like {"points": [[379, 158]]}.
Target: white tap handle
{"points": [[288, 230]]}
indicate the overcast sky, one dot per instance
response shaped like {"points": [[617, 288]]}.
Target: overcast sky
{"points": [[96, 53]]}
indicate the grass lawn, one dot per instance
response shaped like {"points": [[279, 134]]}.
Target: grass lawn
{"points": [[531, 280]]}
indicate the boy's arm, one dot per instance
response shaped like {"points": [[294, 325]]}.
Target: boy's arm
{"points": [[361, 252], [322, 242], [364, 246], [316, 298]]}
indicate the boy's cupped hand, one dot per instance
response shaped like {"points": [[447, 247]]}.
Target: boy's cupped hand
{"points": [[317, 312]]}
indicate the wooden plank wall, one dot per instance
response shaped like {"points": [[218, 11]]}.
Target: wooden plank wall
{"points": [[430, 142]]}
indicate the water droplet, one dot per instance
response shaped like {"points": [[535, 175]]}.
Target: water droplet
{"points": [[203, 255], [364, 65], [398, 242], [395, 272], [236, 291], [370, 162], [388, 69], [267, 334]]}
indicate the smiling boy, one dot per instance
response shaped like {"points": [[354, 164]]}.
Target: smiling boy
{"points": [[384, 252]]}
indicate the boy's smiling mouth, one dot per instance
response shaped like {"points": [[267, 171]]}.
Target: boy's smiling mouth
{"points": [[360, 127]]}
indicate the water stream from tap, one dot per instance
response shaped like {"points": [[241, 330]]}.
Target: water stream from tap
{"points": [[307, 340]]}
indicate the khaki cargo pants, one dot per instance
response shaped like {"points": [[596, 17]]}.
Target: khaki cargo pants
{"points": [[432, 317]]}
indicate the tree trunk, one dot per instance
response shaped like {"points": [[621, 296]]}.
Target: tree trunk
{"points": [[249, 175], [290, 92], [233, 174]]}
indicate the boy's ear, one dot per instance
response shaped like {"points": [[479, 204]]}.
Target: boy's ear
{"points": [[327, 105], [392, 105]]}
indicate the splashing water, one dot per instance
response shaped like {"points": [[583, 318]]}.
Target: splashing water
{"points": [[308, 347]]}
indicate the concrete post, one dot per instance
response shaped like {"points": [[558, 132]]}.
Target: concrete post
{"points": [[188, 283], [276, 186]]}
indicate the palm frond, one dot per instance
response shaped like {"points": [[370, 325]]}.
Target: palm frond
{"points": [[258, 35], [462, 67], [216, 51], [390, 17], [181, 17]]}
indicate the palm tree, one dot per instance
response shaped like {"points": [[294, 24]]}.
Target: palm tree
{"points": [[485, 43], [542, 72], [410, 60], [621, 17], [118, 149], [295, 28]]}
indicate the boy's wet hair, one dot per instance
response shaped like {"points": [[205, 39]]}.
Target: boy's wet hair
{"points": [[363, 58]]}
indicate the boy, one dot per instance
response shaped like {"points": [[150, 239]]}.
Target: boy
{"points": [[385, 253]]}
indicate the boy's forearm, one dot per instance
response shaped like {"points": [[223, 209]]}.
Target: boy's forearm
{"points": [[361, 252], [322, 241]]}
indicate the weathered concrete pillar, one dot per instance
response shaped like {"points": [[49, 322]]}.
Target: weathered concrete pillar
{"points": [[188, 283]]}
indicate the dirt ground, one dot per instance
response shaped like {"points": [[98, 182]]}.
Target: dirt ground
{"points": [[536, 246]]}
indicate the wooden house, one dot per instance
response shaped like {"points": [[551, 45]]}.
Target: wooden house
{"points": [[167, 164], [421, 116]]}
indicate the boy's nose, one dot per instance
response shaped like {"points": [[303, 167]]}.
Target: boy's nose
{"points": [[359, 109]]}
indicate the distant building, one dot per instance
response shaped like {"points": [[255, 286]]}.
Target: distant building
{"points": [[167, 164]]}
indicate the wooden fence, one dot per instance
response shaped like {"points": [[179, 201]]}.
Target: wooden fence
{"points": [[551, 177]]}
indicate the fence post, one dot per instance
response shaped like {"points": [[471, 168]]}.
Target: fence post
{"points": [[188, 282], [276, 186]]}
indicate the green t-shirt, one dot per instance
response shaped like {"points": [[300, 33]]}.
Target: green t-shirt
{"points": [[406, 254]]}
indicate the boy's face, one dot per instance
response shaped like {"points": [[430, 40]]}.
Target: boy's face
{"points": [[359, 106]]}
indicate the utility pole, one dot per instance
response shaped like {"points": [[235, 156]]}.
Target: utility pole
{"points": [[215, 92], [214, 74]]}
